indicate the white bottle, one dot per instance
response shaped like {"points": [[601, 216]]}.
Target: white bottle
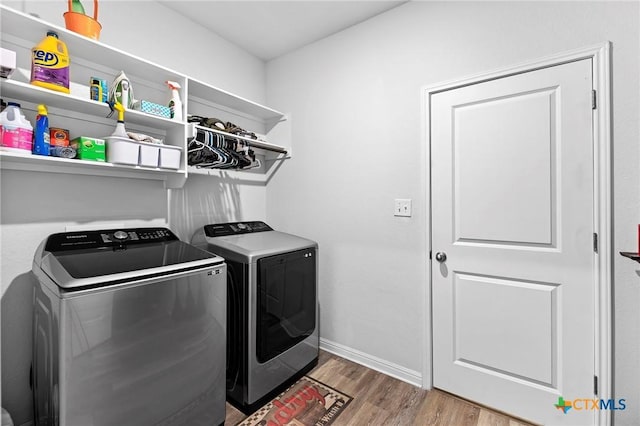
{"points": [[175, 104], [17, 131]]}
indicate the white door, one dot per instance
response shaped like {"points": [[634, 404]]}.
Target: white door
{"points": [[512, 210]]}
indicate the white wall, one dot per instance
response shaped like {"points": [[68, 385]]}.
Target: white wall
{"points": [[356, 103], [207, 200], [34, 205]]}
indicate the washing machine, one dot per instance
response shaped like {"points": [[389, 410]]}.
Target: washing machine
{"points": [[272, 323], [128, 329]]}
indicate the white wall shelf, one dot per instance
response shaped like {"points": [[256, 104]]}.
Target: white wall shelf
{"points": [[37, 163], [83, 116], [198, 89], [236, 175], [26, 92], [269, 150], [28, 30]]}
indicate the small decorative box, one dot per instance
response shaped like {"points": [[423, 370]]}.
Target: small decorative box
{"points": [[152, 108]]}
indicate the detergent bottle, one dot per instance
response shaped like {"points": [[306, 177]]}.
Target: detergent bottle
{"points": [[17, 132], [175, 104], [41, 135], [50, 64]]}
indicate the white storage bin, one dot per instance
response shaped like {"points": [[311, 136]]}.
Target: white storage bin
{"points": [[149, 153], [122, 150], [170, 156]]}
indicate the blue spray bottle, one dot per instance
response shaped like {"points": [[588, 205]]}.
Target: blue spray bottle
{"points": [[41, 136]]}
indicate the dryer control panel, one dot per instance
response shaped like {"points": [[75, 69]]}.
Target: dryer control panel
{"points": [[235, 228]]}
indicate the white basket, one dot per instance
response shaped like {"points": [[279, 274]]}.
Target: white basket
{"points": [[122, 150], [170, 156], [149, 153]]}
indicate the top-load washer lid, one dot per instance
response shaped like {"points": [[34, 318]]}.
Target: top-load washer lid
{"points": [[97, 258], [248, 241]]}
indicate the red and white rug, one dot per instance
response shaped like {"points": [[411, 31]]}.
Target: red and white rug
{"points": [[307, 402]]}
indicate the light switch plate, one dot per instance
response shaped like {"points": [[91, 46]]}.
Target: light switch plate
{"points": [[402, 207]]}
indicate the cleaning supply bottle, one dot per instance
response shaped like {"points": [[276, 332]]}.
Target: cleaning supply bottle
{"points": [[41, 134], [175, 104], [50, 64], [17, 132]]}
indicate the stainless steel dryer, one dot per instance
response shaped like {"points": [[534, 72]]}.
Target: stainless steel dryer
{"points": [[129, 329], [272, 324]]}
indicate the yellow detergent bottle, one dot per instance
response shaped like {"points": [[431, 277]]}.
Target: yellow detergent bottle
{"points": [[50, 64]]}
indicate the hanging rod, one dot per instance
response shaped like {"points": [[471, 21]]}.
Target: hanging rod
{"points": [[250, 142]]}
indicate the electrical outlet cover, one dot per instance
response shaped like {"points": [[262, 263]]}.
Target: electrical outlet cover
{"points": [[402, 207]]}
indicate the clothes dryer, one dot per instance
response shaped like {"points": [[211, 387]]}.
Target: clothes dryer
{"points": [[272, 324]]}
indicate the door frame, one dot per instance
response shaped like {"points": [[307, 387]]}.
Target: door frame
{"points": [[600, 55]]}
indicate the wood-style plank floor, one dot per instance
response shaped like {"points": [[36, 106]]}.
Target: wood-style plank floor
{"points": [[382, 400]]}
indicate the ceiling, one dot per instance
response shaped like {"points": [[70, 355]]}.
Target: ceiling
{"points": [[268, 29]]}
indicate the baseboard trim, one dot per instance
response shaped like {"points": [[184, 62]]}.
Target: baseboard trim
{"points": [[383, 366]]}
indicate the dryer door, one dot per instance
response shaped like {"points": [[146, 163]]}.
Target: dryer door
{"points": [[286, 301]]}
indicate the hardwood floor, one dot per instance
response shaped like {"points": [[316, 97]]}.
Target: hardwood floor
{"points": [[382, 400]]}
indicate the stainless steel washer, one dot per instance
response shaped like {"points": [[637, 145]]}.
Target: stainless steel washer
{"points": [[272, 325], [129, 329]]}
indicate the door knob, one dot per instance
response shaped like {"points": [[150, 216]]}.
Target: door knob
{"points": [[441, 256]]}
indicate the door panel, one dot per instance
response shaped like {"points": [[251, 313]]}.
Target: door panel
{"points": [[494, 340], [512, 208]]}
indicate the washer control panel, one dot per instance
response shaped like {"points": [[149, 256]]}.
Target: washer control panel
{"points": [[144, 235], [111, 238], [235, 228]]}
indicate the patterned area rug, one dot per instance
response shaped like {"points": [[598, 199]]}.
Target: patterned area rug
{"points": [[307, 402]]}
